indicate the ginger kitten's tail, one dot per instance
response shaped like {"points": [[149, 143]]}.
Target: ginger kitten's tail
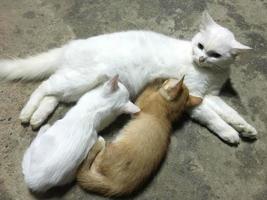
{"points": [[31, 68], [88, 177], [97, 183]]}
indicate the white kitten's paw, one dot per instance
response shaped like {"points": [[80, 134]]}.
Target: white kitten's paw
{"points": [[248, 131], [230, 137]]}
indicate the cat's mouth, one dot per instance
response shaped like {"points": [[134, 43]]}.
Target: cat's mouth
{"points": [[207, 64], [200, 64]]}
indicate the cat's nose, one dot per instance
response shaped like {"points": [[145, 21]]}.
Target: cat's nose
{"points": [[202, 59]]}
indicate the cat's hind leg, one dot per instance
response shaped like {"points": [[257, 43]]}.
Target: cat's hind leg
{"points": [[33, 103], [66, 86], [46, 107]]}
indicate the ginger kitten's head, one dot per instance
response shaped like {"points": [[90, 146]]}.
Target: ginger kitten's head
{"points": [[215, 46], [177, 98]]}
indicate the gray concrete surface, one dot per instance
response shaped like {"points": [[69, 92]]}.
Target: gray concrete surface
{"points": [[199, 165]]}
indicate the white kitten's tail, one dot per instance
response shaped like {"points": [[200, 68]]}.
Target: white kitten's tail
{"points": [[31, 68]]}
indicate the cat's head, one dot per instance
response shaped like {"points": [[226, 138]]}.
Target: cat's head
{"points": [[177, 97], [118, 96], [215, 46]]}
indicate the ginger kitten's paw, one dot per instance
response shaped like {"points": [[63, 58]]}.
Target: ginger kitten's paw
{"points": [[101, 141], [230, 137], [99, 145]]}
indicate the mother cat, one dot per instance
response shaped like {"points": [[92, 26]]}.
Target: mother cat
{"points": [[138, 57]]}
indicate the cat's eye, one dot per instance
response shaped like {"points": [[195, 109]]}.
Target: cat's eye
{"points": [[200, 46], [214, 55]]}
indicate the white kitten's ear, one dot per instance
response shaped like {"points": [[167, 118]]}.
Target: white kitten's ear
{"points": [[237, 47], [206, 21], [130, 108], [112, 84]]}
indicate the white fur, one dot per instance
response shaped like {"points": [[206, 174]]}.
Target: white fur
{"points": [[32, 68], [54, 155], [139, 57]]}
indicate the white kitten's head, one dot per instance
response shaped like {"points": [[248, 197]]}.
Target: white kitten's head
{"points": [[118, 96], [215, 46]]}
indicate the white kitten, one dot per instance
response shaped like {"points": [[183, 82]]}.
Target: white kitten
{"points": [[55, 154], [138, 57]]}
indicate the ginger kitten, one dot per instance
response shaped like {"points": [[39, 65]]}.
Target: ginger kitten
{"points": [[123, 165]]}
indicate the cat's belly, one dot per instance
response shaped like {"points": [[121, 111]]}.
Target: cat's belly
{"points": [[135, 80]]}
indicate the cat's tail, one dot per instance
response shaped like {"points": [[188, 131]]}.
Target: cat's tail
{"points": [[31, 68], [98, 183], [90, 179]]}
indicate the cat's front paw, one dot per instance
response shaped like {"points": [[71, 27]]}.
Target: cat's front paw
{"points": [[231, 137], [248, 131]]}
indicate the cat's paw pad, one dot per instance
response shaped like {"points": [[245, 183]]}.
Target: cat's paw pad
{"points": [[231, 137]]}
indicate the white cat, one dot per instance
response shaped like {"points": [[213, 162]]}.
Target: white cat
{"points": [[138, 57], [55, 154]]}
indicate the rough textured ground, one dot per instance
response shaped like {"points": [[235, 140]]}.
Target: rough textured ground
{"points": [[199, 165]]}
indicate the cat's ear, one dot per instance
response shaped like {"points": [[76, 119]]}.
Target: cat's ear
{"points": [[171, 88], [206, 21], [193, 101], [177, 88], [179, 85], [112, 84], [237, 48], [130, 108]]}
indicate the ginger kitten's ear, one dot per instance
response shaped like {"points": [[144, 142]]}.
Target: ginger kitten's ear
{"points": [[171, 88], [130, 108], [193, 101]]}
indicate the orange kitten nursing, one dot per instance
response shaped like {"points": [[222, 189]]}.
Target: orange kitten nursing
{"points": [[123, 165]]}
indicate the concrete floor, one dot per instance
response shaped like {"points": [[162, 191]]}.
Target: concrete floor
{"points": [[199, 165]]}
